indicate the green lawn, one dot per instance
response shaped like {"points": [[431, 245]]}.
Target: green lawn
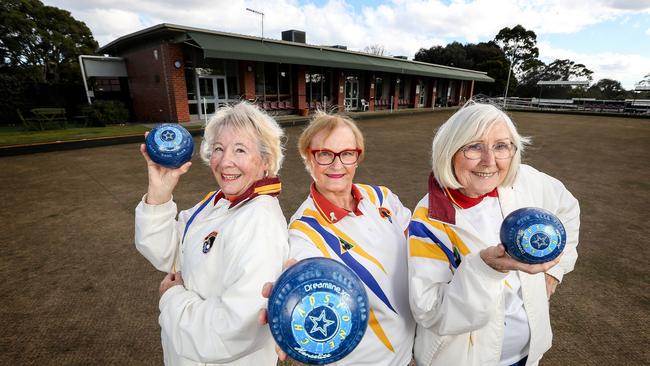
{"points": [[18, 136]]}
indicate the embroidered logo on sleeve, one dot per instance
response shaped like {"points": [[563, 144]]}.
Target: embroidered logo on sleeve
{"points": [[208, 242]]}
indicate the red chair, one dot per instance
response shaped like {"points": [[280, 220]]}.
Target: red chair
{"points": [[274, 106]]}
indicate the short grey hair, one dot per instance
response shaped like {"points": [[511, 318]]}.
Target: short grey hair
{"points": [[248, 119], [466, 125]]}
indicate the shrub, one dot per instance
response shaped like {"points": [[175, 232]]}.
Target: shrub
{"points": [[103, 112]]}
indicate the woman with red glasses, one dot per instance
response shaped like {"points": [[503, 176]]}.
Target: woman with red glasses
{"points": [[369, 223]]}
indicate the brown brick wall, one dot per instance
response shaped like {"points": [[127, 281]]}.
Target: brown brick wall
{"points": [[177, 87], [299, 87], [339, 89], [247, 79], [158, 89]]}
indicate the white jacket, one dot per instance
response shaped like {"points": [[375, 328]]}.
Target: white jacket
{"points": [[213, 318], [460, 311], [376, 233]]}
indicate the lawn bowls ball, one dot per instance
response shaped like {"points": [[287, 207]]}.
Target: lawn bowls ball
{"points": [[169, 145], [533, 235], [318, 311]]}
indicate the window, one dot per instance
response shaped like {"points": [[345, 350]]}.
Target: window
{"points": [[190, 84], [379, 88], [271, 82], [106, 84], [284, 82], [232, 79], [259, 80]]}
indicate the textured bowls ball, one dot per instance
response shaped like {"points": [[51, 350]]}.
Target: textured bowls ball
{"points": [[533, 235], [169, 145], [318, 311]]}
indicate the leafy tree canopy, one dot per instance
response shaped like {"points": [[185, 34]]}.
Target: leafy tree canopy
{"points": [[485, 56], [519, 45], [41, 41], [608, 89]]}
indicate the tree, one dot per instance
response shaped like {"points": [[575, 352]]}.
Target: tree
{"points": [[485, 56], [519, 45], [489, 57], [566, 70], [536, 70], [453, 54], [42, 41], [375, 49], [610, 89]]}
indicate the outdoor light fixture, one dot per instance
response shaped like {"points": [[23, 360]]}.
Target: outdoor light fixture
{"points": [[177, 64]]}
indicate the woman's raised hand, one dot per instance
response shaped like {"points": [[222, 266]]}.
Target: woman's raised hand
{"points": [[162, 180]]}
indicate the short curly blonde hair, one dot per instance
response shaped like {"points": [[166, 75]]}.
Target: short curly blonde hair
{"points": [[248, 119]]}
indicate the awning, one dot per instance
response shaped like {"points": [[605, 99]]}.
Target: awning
{"points": [[227, 47]]}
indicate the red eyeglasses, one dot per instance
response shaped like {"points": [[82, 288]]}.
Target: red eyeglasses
{"points": [[326, 157]]}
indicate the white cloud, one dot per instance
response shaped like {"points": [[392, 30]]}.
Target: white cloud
{"points": [[626, 68], [401, 26]]}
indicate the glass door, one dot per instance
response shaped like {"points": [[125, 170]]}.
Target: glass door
{"points": [[212, 93], [351, 93], [423, 93]]}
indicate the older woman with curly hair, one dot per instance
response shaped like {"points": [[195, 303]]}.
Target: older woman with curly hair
{"points": [[226, 246]]}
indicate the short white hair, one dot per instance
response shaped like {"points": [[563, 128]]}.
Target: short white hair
{"points": [[248, 119], [469, 124]]}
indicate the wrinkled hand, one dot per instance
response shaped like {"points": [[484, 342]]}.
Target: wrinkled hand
{"points": [[551, 285], [162, 181], [263, 316], [497, 258], [170, 280]]}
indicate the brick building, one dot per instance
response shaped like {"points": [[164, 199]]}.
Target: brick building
{"points": [[178, 73]]}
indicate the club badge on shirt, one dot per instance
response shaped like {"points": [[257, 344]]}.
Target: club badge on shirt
{"points": [[208, 242], [386, 214]]}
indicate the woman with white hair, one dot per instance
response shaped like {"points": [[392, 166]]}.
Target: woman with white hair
{"points": [[473, 303], [227, 246]]}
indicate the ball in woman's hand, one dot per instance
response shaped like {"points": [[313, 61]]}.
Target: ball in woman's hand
{"points": [[318, 311], [533, 235], [169, 145]]}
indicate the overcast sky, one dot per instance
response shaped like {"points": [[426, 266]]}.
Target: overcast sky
{"points": [[611, 37]]}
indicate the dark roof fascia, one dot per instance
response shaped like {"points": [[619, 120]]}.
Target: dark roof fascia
{"points": [[147, 36], [176, 33]]}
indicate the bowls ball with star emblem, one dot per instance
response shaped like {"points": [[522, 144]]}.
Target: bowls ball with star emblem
{"points": [[318, 311], [169, 145], [533, 235]]}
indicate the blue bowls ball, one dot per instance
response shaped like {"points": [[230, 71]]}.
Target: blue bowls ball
{"points": [[318, 311], [533, 235], [169, 145]]}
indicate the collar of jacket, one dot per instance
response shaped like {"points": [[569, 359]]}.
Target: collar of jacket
{"points": [[463, 201], [331, 212], [266, 186], [440, 206]]}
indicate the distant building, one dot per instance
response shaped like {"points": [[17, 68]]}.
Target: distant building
{"points": [[178, 73]]}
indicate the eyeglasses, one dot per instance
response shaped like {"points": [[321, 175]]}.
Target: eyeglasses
{"points": [[501, 150], [326, 157]]}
